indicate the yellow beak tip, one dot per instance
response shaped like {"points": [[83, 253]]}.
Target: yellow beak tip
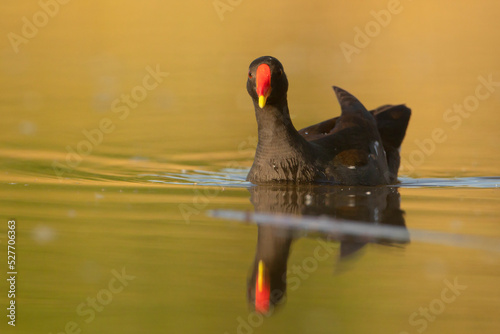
{"points": [[260, 275], [262, 101]]}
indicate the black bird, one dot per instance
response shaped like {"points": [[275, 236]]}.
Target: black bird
{"points": [[359, 147]]}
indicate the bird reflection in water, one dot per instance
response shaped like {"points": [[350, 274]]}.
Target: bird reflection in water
{"points": [[354, 205]]}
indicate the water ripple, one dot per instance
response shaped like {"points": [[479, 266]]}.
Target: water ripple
{"points": [[461, 182], [364, 231], [233, 177]]}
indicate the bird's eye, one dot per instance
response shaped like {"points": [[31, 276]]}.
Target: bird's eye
{"points": [[249, 75], [280, 71]]}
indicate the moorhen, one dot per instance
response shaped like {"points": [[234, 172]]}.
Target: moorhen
{"points": [[359, 147]]}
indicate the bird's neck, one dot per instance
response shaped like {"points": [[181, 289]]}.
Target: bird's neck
{"points": [[273, 248], [276, 133]]}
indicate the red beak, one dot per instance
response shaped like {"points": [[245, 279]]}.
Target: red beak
{"points": [[263, 80], [262, 288]]}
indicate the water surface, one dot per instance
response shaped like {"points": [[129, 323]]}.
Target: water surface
{"points": [[135, 217]]}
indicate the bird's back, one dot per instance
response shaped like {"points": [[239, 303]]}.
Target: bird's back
{"points": [[360, 139]]}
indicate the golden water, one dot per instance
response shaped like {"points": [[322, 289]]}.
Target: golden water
{"points": [[85, 210]]}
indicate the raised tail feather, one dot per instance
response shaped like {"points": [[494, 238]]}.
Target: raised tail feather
{"points": [[347, 101]]}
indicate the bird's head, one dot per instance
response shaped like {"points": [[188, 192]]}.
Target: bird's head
{"points": [[266, 288], [267, 83]]}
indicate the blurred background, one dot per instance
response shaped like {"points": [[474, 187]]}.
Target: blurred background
{"points": [[96, 94], [64, 78]]}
